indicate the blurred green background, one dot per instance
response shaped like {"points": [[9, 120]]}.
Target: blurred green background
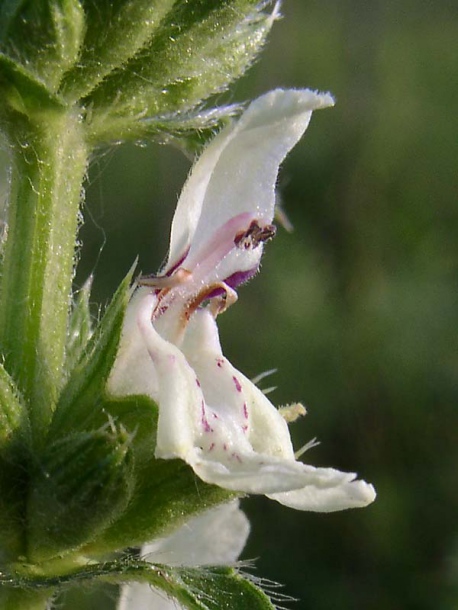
{"points": [[357, 308]]}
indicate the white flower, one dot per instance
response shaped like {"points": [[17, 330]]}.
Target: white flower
{"points": [[210, 414], [216, 537]]}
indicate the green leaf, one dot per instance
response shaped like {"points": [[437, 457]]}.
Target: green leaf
{"points": [[80, 485], [42, 35], [204, 588], [198, 50], [83, 396], [116, 31]]}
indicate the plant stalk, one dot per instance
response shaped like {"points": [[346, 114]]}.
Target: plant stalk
{"points": [[49, 161]]}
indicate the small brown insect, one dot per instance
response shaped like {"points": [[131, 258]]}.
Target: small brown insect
{"points": [[254, 235]]}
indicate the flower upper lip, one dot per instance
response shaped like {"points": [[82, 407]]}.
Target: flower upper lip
{"points": [[189, 282]]}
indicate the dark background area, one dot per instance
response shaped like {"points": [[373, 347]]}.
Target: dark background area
{"points": [[357, 308]]}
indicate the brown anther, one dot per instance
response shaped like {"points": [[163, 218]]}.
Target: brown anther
{"points": [[254, 235]]}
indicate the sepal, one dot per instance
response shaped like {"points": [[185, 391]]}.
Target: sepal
{"points": [[138, 416], [190, 131], [166, 494], [83, 396], [44, 36], [211, 588], [80, 485], [198, 49], [116, 31], [23, 92], [79, 327]]}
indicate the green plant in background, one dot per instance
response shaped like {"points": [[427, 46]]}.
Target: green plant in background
{"points": [[105, 426]]}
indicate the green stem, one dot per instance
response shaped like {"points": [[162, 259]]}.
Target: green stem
{"points": [[17, 599], [49, 161]]}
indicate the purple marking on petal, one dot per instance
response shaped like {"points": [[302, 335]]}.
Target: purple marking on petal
{"points": [[245, 410], [236, 456], [212, 446], [241, 277], [238, 387], [219, 362], [245, 428], [225, 447], [204, 420], [198, 383]]}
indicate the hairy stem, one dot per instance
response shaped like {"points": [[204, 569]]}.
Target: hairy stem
{"points": [[49, 160]]}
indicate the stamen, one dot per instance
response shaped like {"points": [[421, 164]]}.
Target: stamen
{"points": [[220, 304], [291, 413], [217, 304], [254, 235], [178, 278]]}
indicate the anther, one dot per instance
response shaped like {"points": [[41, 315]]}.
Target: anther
{"points": [[254, 235]]}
